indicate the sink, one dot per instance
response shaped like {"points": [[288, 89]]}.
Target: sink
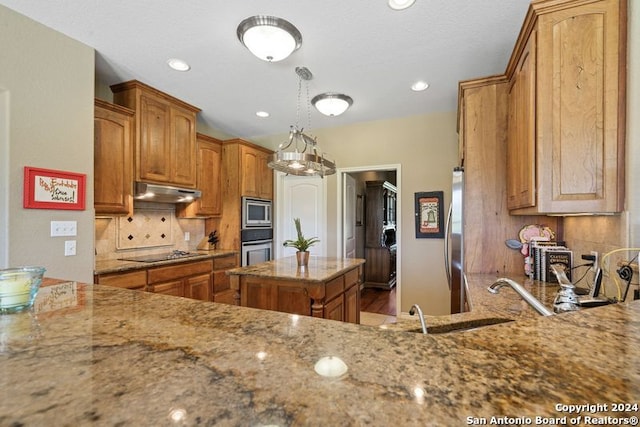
{"points": [[467, 325]]}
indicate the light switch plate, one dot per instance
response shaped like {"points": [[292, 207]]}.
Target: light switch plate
{"points": [[64, 228], [69, 247]]}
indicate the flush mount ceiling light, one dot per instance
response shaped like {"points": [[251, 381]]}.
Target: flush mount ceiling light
{"points": [[332, 104], [178, 64], [400, 4], [269, 38], [300, 154]]}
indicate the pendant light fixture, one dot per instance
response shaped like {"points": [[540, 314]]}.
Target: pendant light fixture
{"points": [[300, 154], [332, 104], [269, 38]]}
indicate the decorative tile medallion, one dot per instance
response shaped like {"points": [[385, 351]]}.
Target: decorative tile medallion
{"points": [[146, 229]]}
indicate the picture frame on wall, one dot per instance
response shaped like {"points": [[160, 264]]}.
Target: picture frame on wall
{"points": [[429, 213], [53, 189]]}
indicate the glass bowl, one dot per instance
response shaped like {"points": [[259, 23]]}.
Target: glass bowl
{"points": [[18, 288]]}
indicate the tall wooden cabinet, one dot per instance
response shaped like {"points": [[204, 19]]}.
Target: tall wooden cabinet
{"points": [[483, 105], [244, 173], [113, 158], [165, 142], [567, 102]]}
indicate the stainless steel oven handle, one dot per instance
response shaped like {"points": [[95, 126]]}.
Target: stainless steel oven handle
{"points": [[256, 242]]}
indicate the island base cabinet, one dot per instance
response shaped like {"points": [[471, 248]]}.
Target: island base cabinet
{"points": [[269, 294], [336, 299]]}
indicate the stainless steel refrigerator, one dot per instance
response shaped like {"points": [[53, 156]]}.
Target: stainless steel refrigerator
{"points": [[454, 243]]}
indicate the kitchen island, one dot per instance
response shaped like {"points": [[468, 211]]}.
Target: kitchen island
{"points": [[98, 355], [328, 288]]}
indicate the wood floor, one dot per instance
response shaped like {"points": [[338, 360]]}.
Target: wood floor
{"points": [[379, 301]]}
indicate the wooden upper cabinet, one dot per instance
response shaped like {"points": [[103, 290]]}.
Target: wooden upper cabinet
{"points": [[250, 174], [165, 142], [579, 115], [257, 177], [521, 178], [246, 170], [113, 158], [209, 180]]}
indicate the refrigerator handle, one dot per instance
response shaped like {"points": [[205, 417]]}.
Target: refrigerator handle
{"points": [[447, 263]]}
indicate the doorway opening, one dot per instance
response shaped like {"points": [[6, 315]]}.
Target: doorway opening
{"points": [[378, 240]]}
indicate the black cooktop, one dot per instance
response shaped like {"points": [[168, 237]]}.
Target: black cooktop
{"points": [[160, 257]]}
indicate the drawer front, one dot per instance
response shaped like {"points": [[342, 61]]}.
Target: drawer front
{"points": [[173, 272], [351, 278], [334, 287], [224, 263], [175, 288], [221, 281], [133, 280]]}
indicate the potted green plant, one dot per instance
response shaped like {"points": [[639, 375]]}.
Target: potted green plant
{"points": [[302, 244]]}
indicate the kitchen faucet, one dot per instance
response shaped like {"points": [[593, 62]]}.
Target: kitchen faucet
{"points": [[414, 308], [530, 299]]}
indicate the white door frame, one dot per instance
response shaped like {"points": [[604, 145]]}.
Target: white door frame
{"points": [[398, 168]]}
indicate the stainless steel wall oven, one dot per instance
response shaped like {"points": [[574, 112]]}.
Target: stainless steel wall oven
{"points": [[257, 245]]}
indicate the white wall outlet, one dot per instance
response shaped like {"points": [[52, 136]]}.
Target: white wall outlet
{"points": [[596, 262], [187, 236], [69, 247], [64, 228]]}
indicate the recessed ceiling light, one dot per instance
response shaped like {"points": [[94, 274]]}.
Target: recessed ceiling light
{"points": [[262, 114], [400, 4], [178, 64], [420, 85]]}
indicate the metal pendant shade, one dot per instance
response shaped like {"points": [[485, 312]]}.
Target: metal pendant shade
{"points": [[300, 154]]}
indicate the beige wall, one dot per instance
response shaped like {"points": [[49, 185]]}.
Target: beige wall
{"points": [[47, 83], [426, 148]]}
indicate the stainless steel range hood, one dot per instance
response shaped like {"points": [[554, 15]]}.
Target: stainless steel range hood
{"points": [[164, 193]]}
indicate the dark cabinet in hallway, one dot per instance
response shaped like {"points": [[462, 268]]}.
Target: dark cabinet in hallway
{"points": [[380, 234]]}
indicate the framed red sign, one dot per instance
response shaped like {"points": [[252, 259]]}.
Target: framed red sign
{"points": [[52, 189], [429, 214]]}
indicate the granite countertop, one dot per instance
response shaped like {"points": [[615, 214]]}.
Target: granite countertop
{"points": [[91, 354], [115, 265], [320, 269]]}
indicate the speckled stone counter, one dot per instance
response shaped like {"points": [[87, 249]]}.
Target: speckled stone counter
{"points": [[320, 269], [109, 356], [115, 265]]}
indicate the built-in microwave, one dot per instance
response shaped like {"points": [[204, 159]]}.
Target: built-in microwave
{"points": [[256, 213]]}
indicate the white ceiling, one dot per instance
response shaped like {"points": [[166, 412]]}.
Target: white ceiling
{"points": [[358, 47]]}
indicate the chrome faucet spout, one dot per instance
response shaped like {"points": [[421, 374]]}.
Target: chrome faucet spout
{"points": [[530, 299], [412, 311]]}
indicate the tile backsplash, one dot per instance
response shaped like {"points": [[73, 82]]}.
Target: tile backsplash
{"points": [[146, 229], [603, 234], [153, 228]]}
